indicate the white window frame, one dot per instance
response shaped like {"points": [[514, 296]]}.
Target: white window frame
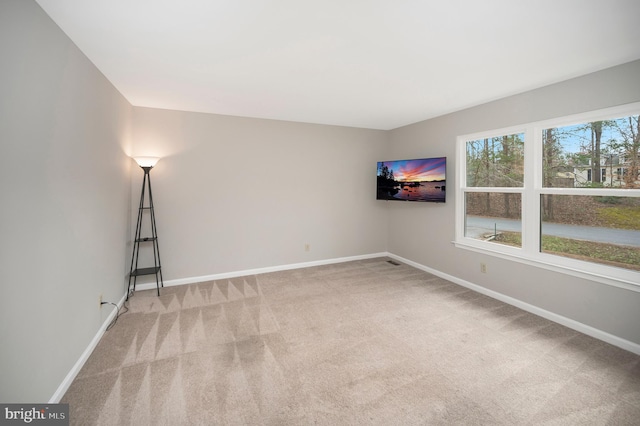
{"points": [[531, 191]]}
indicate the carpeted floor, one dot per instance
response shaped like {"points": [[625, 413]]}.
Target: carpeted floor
{"points": [[356, 343]]}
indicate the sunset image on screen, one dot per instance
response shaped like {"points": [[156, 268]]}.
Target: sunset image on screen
{"points": [[412, 180]]}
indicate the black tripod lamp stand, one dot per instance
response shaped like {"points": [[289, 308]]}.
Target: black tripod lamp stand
{"points": [[150, 239]]}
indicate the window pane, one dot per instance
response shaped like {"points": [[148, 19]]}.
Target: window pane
{"points": [[599, 154], [496, 162], [493, 216], [598, 229]]}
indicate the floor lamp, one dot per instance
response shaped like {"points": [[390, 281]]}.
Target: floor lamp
{"points": [[146, 163]]}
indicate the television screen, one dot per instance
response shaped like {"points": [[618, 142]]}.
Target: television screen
{"points": [[421, 179]]}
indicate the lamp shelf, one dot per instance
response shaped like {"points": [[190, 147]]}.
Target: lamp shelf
{"points": [[144, 239], [145, 271]]}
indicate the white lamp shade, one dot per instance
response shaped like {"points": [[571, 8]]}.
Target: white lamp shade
{"points": [[146, 161]]}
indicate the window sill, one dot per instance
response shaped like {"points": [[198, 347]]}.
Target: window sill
{"points": [[628, 280]]}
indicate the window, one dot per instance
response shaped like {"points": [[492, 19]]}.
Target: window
{"points": [[562, 194], [494, 179]]}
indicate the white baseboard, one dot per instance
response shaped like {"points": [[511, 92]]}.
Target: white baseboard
{"points": [[64, 386], [227, 275], [567, 322]]}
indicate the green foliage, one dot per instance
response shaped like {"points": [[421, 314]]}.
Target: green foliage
{"points": [[509, 238], [609, 254], [627, 257], [608, 200], [592, 185], [622, 217]]}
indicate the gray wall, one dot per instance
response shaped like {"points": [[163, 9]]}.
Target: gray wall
{"points": [[64, 201], [613, 310], [233, 193]]}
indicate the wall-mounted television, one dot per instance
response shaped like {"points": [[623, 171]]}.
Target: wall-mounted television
{"points": [[422, 179]]}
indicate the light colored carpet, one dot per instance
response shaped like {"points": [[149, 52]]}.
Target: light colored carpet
{"points": [[363, 342]]}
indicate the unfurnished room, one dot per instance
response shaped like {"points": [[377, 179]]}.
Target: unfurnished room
{"points": [[336, 213]]}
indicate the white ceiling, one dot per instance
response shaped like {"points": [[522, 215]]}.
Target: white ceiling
{"points": [[361, 63]]}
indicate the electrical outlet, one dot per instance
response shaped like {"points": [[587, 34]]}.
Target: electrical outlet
{"points": [[100, 300], [307, 247], [483, 268]]}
